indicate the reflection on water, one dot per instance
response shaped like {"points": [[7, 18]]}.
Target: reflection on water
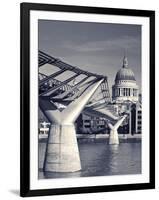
{"points": [[100, 159]]}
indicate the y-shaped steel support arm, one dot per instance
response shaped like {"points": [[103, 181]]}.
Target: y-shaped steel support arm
{"points": [[114, 138]]}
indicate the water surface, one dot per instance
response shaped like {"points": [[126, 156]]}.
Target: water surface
{"points": [[98, 158]]}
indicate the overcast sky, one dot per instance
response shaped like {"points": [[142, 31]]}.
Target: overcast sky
{"points": [[95, 47]]}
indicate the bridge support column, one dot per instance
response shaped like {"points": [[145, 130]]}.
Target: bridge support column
{"points": [[114, 137], [62, 154]]}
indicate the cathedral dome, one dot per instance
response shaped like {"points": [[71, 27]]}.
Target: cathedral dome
{"points": [[125, 73], [125, 88]]}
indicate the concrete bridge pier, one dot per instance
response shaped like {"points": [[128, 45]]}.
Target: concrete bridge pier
{"points": [[62, 154], [114, 137]]}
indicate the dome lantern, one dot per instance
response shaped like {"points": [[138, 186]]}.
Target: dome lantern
{"points": [[125, 62]]}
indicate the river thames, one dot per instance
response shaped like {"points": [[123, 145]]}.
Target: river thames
{"points": [[98, 158]]}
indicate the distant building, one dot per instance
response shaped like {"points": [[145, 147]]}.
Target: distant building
{"points": [[126, 98], [44, 129], [135, 122], [91, 121]]}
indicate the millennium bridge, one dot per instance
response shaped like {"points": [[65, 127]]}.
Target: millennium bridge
{"points": [[63, 94]]}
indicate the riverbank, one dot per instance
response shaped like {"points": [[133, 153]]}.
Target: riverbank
{"points": [[101, 137]]}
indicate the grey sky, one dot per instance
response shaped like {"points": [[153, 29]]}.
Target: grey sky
{"points": [[96, 47]]}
